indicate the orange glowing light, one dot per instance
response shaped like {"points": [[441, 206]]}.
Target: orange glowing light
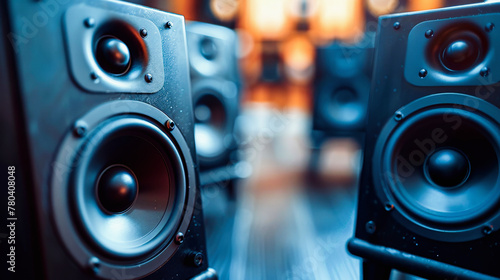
{"points": [[338, 19], [381, 7], [420, 5], [266, 19], [225, 10], [298, 57]]}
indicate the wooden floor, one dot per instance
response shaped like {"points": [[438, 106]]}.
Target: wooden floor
{"points": [[280, 226]]}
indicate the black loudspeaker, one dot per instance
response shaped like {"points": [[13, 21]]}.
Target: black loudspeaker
{"points": [[97, 143], [215, 84], [429, 199], [342, 87]]}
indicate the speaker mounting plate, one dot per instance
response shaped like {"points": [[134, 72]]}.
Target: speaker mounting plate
{"points": [[425, 38], [84, 25]]}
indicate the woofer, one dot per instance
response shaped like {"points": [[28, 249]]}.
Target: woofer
{"points": [[214, 119], [131, 188], [343, 103], [437, 161]]}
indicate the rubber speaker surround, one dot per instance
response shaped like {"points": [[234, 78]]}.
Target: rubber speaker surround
{"points": [[441, 121], [141, 239]]}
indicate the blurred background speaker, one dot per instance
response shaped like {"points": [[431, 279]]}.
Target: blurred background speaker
{"points": [[430, 187], [340, 103], [96, 142], [215, 85]]}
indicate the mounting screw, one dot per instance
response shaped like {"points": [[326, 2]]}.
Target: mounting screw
{"points": [[429, 33], [422, 73], [485, 71], [94, 265], [398, 116], [487, 230], [489, 27], [197, 258], [80, 129], [388, 206], [148, 77], [396, 25], [89, 22], [169, 24], [143, 32], [170, 125], [370, 227], [179, 238], [93, 76]]}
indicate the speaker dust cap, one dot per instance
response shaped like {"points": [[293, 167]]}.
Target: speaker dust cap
{"points": [[438, 162], [110, 51], [123, 186]]}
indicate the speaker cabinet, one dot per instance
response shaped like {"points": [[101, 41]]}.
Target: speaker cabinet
{"points": [[215, 85], [342, 87], [430, 189], [97, 143]]}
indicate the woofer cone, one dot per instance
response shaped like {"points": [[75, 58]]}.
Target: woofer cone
{"points": [[214, 110], [343, 104], [154, 215], [125, 147], [468, 141]]}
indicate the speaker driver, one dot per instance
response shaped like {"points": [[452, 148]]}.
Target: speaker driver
{"points": [[131, 188], [438, 164], [343, 103], [213, 131]]}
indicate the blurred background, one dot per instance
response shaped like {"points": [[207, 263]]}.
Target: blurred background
{"points": [[280, 91]]}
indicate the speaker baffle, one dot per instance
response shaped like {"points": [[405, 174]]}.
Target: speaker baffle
{"points": [[439, 166], [122, 191]]}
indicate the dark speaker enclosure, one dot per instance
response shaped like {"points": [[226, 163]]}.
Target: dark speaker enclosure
{"points": [[44, 101], [216, 84], [394, 230]]}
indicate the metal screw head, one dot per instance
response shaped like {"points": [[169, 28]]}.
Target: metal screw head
{"points": [[429, 33], [370, 227], [422, 73], [170, 125], [487, 230], [169, 24], [94, 265], [485, 71], [398, 116], [89, 22], [179, 238], [396, 25], [388, 206], [143, 32], [489, 27], [198, 259], [148, 77], [80, 129]]}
